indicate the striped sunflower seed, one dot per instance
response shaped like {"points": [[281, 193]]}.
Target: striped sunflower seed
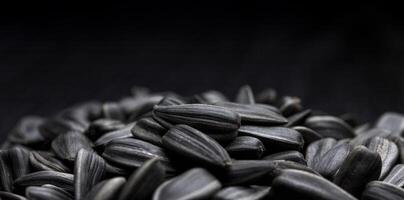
{"points": [[317, 149], [112, 110], [190, 143], [89, 169], [329, 126], [360, 167], [6, 176], [170, 101], [142, 183], [392, 122], [47, 193], [294, 156], [136, 108], [147, 129], [106, 190], [196, 183], [213, 96], [54, 127], [245, 95], [11, 196], [26, 132], [377, 190], [362, 138], [387, 150], [275, 138], [246, 147], [59, 179], [99, 127], [242, 193], [290, 105], [309, 135], [132, 153], [67, 145], [19, 161], [296, 184], [206, 117], [44, 162], [396, 176], [298, 118], [112, 170], [254, 114], [114, 135]]}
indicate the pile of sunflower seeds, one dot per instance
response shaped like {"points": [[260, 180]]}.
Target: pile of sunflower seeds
{"points": [[163, 146]]}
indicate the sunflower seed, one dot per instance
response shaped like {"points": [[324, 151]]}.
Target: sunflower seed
{"points": [[116, 171], [26, 131], [188, 142], [308, 134], [377, 190], [254, 113], [107, 189], [328, 164], [89, 169], [396, 176], [11, 196], [62, 180], [360, 167], [317, 149], [149, 130], [132, 153], [368, 134], [245, 147], [44, 162], [213, 96], [245, 95], [99, 127], [51, 128], [298, 118], [275, 138], [294, 156], [171, 101], [112, 110], [142, 183], [195, 184], [242, 193], [390, 121], [114, 135], [206, 117], [399, 141], [19, 161], [47, 193], [329, 126], [136, 108], [290, 105], [6, 176], [296, 184], [67, 145], [246, 172], [267, 96], [387, 150]]}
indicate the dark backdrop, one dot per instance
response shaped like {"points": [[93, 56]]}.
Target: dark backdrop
{"points": [[335, 57]]}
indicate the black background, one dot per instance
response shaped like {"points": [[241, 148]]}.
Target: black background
{"points": [[335, 57]]}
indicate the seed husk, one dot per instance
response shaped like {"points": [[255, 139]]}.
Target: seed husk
{"points": [[362, 138], [44, 162], [26, 132], [89, 169], [296, 184], [106, 190], [67, 145], [290, 105], [111, 110], [245, 95], [196, 183], [19, 161], [360, 167], [267, 96], [51, 128], [309, 135], [298, 118], [62, 180], [246, 147], [254, 114], [11, 196], [396, 176], [329, 126], [205, 117], [294, 156], [147, 129], [132, 153], [275, 138], [377, 190], [317, 149], [391, 121], [387, 150], [6, 176], [213, 96], [190, 143], [99, 127], [242, 193], [46, 193], [142, 183], [114, 135]]}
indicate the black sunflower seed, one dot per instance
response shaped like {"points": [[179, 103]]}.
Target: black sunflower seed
{"points": [[296, 184], [47, 193], [363, 137], [201, 116], [309, 135], [246, 172], [132, 153], [329, 126], [19, 161], [62, 180], [114, 135], [390, 121], [6, 176], [195, 183], [11, 196], [242, 193], [171, 101], [399, 141], [387, 150], [106, 190], [290, 105], [89, 169], [99, 127], [136, 108], [149, 130], [275, 138], [213, 96], [67, 145], [111, 110], [112, 170], [51, 128], [396, 176], [254, 114], [317, 149], [245, 95], [377, 190], [26, 131], [44, 162], [294, 156], [190, 143], [142, 183], [245, 147], [267, 96], [298, 118], [360, 167]]}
